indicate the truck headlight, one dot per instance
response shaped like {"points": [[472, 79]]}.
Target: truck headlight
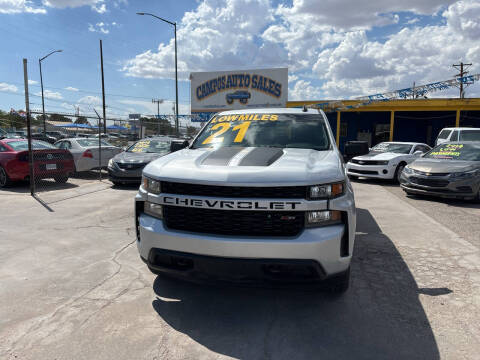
{"points": [[151, 186], [153, 209], [408, 170], [326, 191], [323, 218], [110, 163]]}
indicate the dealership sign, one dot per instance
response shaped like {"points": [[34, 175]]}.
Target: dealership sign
{"points": [[212, 92]]}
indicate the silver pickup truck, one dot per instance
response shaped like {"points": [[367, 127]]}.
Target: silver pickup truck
{"points": [[260, 196]]}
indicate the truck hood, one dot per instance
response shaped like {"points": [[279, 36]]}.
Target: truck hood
{"points": [[379, 156], [248, 166]]}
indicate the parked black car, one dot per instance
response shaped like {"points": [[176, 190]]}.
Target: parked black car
{"points": [[43, 137], [127, 166]]}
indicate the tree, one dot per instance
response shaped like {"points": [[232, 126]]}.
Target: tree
{"points": [[191, 130], [58, 117], [81, 120]]}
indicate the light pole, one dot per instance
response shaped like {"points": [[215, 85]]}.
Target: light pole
{"points": [[176, 68], [41, 84]]}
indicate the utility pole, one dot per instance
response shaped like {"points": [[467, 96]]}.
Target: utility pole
{"points": [[103, 90], [41, 84], [462, 67], [174, 24], [158, 102]]}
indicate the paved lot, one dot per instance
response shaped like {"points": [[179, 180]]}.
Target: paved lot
{"points": [[73, 287]]}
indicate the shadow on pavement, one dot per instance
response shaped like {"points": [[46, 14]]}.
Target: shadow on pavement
{"points": [[23, 187], [380, 317]]}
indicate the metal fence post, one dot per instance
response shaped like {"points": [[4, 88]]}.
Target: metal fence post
{"points": [[29, 130], [99, 146]]}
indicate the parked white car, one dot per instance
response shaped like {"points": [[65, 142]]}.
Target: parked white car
{"points": [[86, 153], [458, 134], [386, 160]]}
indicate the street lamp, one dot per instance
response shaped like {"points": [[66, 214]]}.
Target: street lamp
{"points": [[176, 68], [41, 84]]}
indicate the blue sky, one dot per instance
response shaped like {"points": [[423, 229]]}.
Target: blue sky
{"points": [[333, 48]]}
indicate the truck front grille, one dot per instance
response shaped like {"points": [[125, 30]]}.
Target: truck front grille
{"points": [[234, 222], [279, 192]]}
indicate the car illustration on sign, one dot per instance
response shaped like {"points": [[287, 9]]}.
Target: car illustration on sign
{"points": [[239, 95]]}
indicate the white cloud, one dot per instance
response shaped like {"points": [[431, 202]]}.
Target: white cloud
{"points": [[101, 27], [216, 35], [90, 100], [147, 107], [303, 90], [32, 82], [326, 43], [48, 94], [96, 5], [8, 87], [19, 6], [359, 14], [70, 88], [292, 78]]}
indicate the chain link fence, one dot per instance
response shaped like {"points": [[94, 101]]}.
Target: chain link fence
{"points": [[69, 159]]}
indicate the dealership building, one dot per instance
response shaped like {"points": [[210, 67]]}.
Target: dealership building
{"points": [[418, 120]]}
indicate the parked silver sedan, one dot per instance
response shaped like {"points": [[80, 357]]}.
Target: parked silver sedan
{"points": [[450, 170], [86, 153]]}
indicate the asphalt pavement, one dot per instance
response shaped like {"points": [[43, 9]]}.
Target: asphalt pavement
{"points": [[73, 287]]}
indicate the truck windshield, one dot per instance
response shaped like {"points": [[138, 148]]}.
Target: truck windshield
{"points": [[305, 131]]}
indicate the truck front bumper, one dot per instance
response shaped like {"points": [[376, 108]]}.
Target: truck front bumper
{"points": [[314, 254]]}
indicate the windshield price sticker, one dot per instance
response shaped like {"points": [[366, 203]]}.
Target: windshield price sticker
{"points": [[141, 145], [222, 124], [245, 117], [448, 150]]}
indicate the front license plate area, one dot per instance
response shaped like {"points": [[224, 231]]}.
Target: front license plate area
{"points": [[51, 166]]}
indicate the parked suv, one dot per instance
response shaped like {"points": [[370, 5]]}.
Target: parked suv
{"points": [[458, 134], [259, 196]]}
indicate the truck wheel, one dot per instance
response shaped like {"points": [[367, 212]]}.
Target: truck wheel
{"points": [[339, 283], [61, 179], [4, 179], [229, 101]]}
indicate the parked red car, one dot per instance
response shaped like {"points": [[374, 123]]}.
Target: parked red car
{"points": [[49, 162]]}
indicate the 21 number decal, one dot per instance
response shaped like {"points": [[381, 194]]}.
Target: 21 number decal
{"points": [[215, 137]]}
